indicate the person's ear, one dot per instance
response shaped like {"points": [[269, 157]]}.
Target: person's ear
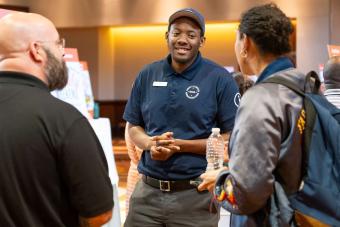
{"points": [[36, 52], [167, 35], [245, 46], [202, 41]]}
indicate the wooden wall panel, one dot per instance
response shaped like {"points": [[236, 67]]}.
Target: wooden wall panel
{"points": [[114, 111]]}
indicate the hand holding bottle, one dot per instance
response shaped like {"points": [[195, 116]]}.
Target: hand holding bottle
{"points": [[209, 179]]}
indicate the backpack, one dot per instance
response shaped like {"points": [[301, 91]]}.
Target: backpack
{"points": [[317, 202]]}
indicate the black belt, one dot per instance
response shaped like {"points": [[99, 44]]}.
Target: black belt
{"points": [[168, 186]]}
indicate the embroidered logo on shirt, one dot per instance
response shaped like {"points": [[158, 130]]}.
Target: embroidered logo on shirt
{"points": [[237, 99], [192, 92]]}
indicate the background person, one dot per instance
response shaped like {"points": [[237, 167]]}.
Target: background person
{"points": [[133, 176], [331, 76]]}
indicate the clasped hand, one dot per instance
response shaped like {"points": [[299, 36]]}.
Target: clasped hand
{"points": [[164, 146]]}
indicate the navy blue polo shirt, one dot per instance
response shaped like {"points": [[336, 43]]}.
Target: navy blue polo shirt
{"points": [[189, 104]]}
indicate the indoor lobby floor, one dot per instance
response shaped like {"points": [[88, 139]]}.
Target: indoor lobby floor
{"points": [[122, 164], [121, 194]]}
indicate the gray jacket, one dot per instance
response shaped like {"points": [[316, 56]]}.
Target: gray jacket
{"points": [[266, 141]]}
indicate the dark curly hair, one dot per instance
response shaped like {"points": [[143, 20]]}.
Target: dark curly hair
{"points": [[243, 83], [268, 27]]}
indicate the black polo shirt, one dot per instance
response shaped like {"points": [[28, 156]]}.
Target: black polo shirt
{"points": [[52, 167], [189, 104]]}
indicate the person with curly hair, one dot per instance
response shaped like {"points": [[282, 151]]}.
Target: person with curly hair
{"points": [[265, 145]]}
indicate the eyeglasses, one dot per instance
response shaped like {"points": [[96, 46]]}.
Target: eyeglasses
{"points": [[60, 42]]}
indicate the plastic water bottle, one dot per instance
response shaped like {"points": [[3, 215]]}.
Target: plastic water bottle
{"points": [[215, 150]]}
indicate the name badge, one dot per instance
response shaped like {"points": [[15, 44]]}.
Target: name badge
{"points": [[160, 84]]}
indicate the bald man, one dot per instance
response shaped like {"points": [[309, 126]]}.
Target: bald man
{"points": [[53, 171], [331, 76]]}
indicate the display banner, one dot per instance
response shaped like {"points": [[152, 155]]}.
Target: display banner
{"points": [[333, 50], [71, 55], [88, 88], [74, 91]]}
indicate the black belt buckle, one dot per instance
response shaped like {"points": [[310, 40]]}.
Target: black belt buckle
{"points": [[164, 185]]}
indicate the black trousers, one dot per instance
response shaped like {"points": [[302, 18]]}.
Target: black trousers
{"points": [[150, 207]]}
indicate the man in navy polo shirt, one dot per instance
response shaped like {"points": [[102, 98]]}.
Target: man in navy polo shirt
{"points": [[174, 104]]}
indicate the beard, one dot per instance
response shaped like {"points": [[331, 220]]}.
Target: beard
{"points": [[55, 71]]}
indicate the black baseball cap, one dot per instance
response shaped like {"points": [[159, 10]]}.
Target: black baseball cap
{"points": [[190, 13]]}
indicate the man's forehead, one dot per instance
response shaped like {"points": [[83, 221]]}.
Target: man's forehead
{"points": [[185, 21]]}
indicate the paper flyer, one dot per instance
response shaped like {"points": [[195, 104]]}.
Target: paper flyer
{"points": [[88, 88]]}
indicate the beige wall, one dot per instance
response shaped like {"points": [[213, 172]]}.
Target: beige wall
{"points": [[123, 52], [133, 48], [107, 64], [112, 73], [14, 2], [334, 22]]}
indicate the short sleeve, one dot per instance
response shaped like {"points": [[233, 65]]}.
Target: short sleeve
{"points": [[84, 170], [228, 98], [132, 112]]}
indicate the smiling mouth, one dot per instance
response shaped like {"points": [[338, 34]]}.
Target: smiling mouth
{"points": [[182, 50]]}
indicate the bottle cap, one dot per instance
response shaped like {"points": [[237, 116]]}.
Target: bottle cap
{"points": [[215, 130]]}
